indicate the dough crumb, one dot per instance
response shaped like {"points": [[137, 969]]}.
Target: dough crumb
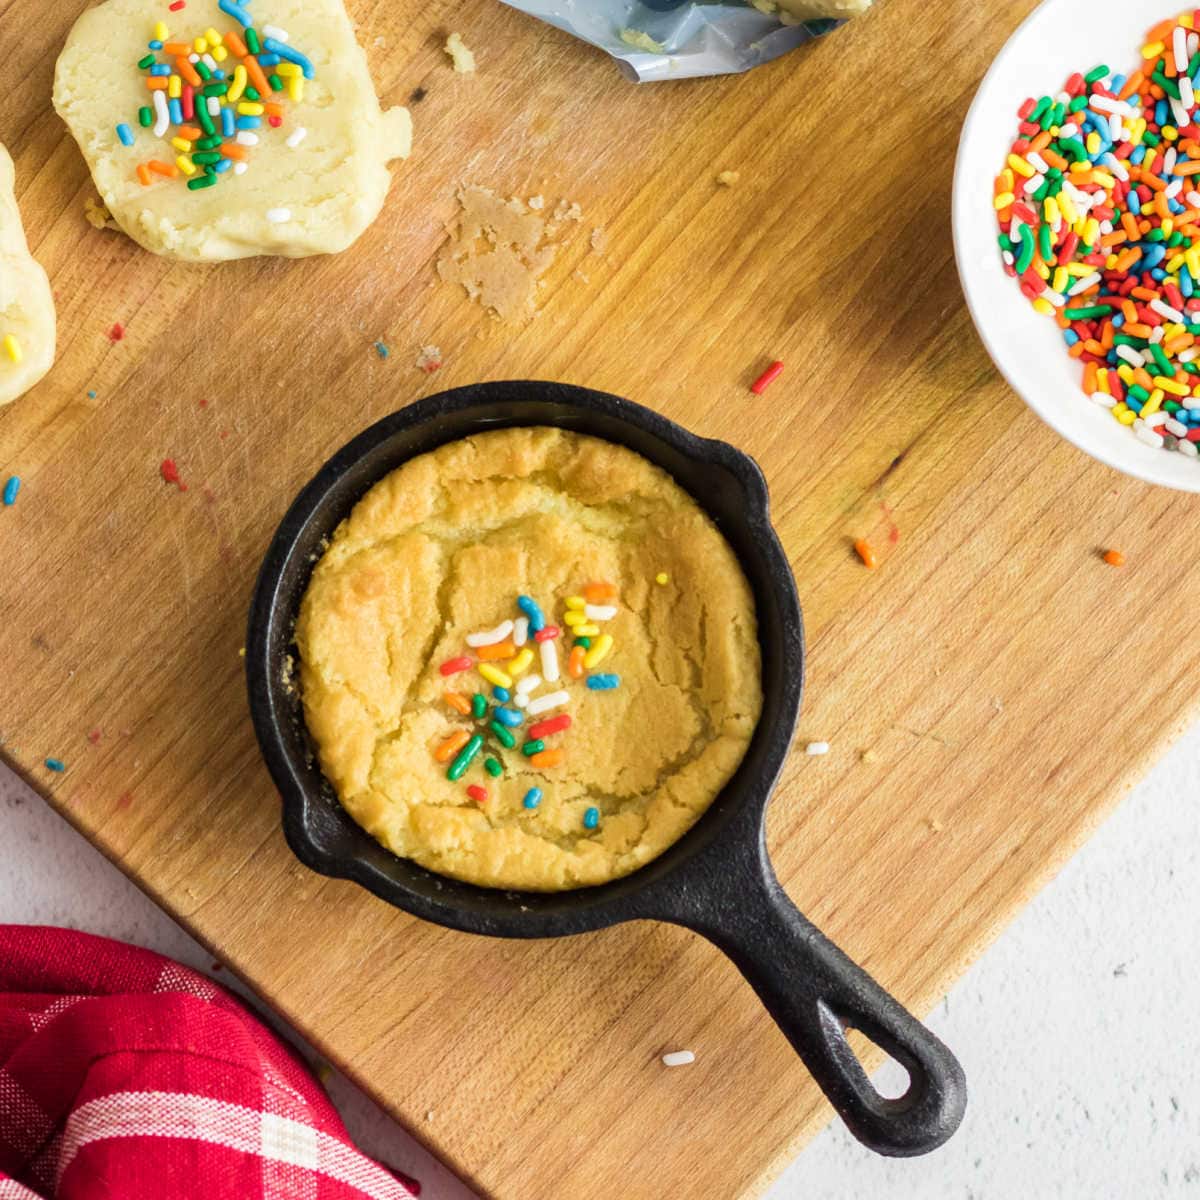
{"points": [[499, 249], [640, 40], [537, 203], [935, 826], [599, 240], [429, 359], [868, 756], [728, 178], [460, 56], [97, 214]]}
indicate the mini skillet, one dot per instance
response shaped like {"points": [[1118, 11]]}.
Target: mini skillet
{"points": [[717, 880]]}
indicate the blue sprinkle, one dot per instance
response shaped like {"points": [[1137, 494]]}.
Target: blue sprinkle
{"points": [[92, 394], [236, 11], [381, 350], [175, 111], [528, 606], [533, 798], [501, 694], [271, 46], [125, 134], [219, 73], [227, 120], [603, 683], [256, 122], [11, 488], [508, 716], [591, 818], [160, 69], [56, 764], [154, 45], [269, 60], [226, 164]]}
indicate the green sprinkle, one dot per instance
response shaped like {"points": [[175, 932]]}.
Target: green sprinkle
{"points": [[203, 159], [1044, 243], [459, 766], [1040, 108], [206, 122], [532, 748], [214, 89], [275, 82], [503, 736], [1172, 407], [492, 767], [202, 70], [478, 705], [1079, 104], [1163, 362], [1075, 148], [1096, 74], [1125, 339], [148, 61], [1089, 313], [201, 181], [1168, 85], [209, 143], [1151, 139], [1028, 248], [252, 93], [252, 42], [146, 117], [584, 642], [1139, 393]]}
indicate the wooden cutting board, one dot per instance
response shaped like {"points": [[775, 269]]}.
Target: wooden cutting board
{"points": [[989, 692]]}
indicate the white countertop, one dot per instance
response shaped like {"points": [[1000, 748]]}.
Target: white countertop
{"points": [[1077, 1030]]}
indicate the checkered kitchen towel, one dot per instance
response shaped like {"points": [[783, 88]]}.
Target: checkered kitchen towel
{"points": [[125, 1075]]}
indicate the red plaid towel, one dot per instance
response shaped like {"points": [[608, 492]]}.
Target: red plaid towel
{"points": [[125, 1075]]}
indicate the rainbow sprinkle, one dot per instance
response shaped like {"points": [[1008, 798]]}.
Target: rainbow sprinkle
{"points": [[209, 95], [503, 657], [1099, 213]]}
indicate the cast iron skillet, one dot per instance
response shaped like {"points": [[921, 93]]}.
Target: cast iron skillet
{"points": [[717, 880]]}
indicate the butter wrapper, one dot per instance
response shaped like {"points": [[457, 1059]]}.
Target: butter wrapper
{"points": [[676, 39]]}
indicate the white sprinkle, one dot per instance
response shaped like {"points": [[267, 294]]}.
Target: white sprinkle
{"points": [[297, 136], [528, 683], [1131, 356], [209, 62], [521, 700], [1165, 310], [1009, 258], [278, 216], [1157, 335], [240, 168], [1037, 162], [273, 31], [1104, 399], [520, 631], [1070, 129], [549, 661], [1173, 189], [1193, 198], [1032, 184], [1175, 427], [1189, 355], [550, 700], [1089, 281], [1106, 104], [1145, 434], [817, 748], [246, 138], [163, 123], [1169, 160], [490, 637], [1188, 448], [1180, 113], [193, 58], [214, 106], [1154, 420], [599, 612], [678, 1058], [1179, 45]]}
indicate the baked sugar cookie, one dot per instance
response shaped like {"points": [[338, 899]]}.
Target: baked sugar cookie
{"points": [[225, 130], [27, 318]]}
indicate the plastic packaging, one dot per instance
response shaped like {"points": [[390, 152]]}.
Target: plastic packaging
{"points": [[678, 39]]}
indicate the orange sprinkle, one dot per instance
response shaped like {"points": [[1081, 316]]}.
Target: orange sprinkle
{"points": [[459, 702], [1040, 142], [575, 662], [452, 745], [547, 758], [158, 83], [598, 593], [1132, 84], [1055, 160], [1089, 378], [499, 650], [188, 72], [236, 46], [257, 76], [143, 174], [189, 132], [1144, 293], [170, 170], [177, 48], [236, 151], [1114, 558], [863, 549], [276, 110]]}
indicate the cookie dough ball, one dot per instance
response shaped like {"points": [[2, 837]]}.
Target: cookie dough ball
{"points": [[793, 11], [27, 318], [308, 185]]}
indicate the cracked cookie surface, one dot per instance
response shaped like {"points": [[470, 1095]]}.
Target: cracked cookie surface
{"points": [[441, 548]]}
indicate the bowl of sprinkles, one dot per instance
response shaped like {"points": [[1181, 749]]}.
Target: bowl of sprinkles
{"points": [[210, 96], [1077, 229]]}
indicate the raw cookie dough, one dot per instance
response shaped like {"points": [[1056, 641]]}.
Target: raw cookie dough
{"points": [[26, 302], [441, 548], [809, 10], [320, 194]]}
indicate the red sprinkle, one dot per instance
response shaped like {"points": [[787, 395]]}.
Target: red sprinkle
{"points": [[547, 633], [550, 725], [116, 333], [94, 737], [767, 378], [275, 122], [176, 5], [452, 666], [170, 473], [478, 793]]}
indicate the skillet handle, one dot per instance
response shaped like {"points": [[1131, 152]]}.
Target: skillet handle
{"points": [[815, 992]]}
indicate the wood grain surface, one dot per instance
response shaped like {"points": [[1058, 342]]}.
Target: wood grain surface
{"points": [[989, 692]]}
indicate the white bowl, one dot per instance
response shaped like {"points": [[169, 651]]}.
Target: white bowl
{"points": [[1060, 37]]}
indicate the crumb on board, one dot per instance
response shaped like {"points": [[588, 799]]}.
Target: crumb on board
{"points": [[935, 826], [97, 214], [817, 748], [868, 756], [678, 1058], [462, 58], [639, 39], [728, 178], [599, 240], [537, 203], [429, 359], [499, 249]]}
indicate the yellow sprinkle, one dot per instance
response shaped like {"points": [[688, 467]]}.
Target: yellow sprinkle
{"points": [[160, 31], [1152, 49], [1127, 417], [1043, 306], [598, 651], [1051, 208], [1126, 373], [1169, 385], [248, 108], [1021, 167], [1102, 381], [182, 145], [1004, 200], [1102, 177], [1153, 404], [214, 38], [1168, 227], [289, 70], [1111, 262], [495, 676], [219, 53], [1067, 207], [1042, 270], [1170, 133], [174, 87], [586, 630], [521, 663], [1093, 232], [1061, 278], [12, 348], [662, 577], [1080, 269], [1186, 21], [295, 88], [184, 163], [1174, 264], [574, 617], [200, 45], [1119, 408], [575, 602], [238, 86]]}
